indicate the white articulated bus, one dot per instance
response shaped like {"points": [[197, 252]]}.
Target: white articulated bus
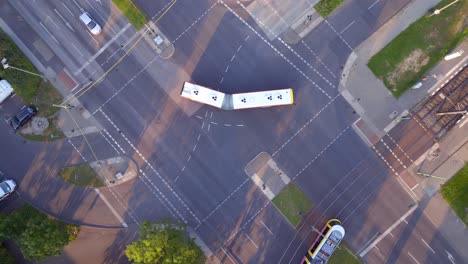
{"points": [[237, 101]]}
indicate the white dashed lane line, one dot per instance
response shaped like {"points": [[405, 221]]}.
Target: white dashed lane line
{"points": [[168, 186]]}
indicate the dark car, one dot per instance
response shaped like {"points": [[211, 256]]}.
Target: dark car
{"points": [[22, 117]]}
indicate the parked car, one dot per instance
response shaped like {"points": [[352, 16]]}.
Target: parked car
{"points": [[90, 23], [7, 187], [22, 117], [5, 90]]}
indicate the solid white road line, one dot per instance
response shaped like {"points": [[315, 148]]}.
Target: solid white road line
{"points": [[68, 9], [266, 227], [413, 258], [427, 245], [373, 4], [350, 24], [111, 208], [101, 50], [384, 234], [255, 245]]}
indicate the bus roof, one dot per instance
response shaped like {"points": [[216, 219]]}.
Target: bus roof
{"points": [[202, 95], [237, 101]]}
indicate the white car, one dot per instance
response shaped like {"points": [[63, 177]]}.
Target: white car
{"points": [[90, 23], [7, 187], [5, 90]]}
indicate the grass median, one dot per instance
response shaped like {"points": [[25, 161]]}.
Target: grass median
{"points": [[81, 175], [418, 48], [343, 255], [133, 13], [455, 192], [24, 84], [292, 203], [326, 7]]}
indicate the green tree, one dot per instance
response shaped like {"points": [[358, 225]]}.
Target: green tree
{"points": [[38, 235], [164, 242], [5, 256]]}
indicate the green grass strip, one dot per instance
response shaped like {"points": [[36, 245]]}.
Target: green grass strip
{"points": [[292, 203], [326, 7], [420, 47], [81, 175], [134, 15], [25, 85], [455, 192], [343, 255]]}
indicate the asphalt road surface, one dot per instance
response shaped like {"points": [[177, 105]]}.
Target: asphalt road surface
{"points": [[192, 157]]}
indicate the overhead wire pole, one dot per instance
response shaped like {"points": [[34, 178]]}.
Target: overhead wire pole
{"points": [[74, 98], [67, 108], [67, 104]]}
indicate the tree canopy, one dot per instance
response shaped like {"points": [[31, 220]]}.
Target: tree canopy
{"points": [[164, 242], [38, 235]]}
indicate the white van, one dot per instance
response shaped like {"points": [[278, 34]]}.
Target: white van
{"points": [[5, 90]]}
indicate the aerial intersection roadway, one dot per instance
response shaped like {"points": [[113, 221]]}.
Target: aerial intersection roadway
{"points": [[192, 158]]}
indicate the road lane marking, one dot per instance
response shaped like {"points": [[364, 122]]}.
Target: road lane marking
{"points": [[76, 149], [65, 21], [48, 17], [373, 4], [162, 195], [101, 50], [102, 134], [248, 237], [68, 9], [321, 152], [104, 199], [103, 19], [393, 153], [291, 49], [79, 7], [275, 49], [221, 204], [305, 125], [350, 24], [318, 59], [77, 49], [127, 209], [384, 234], [413, 258], [427, 245], [196, 21], [168, 186], [46, 30], [227, 254], [266, 227], [338, 34], [390, 233]]}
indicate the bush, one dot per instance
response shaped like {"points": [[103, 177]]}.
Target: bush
{"points": [[326, 7], [38, 235]]}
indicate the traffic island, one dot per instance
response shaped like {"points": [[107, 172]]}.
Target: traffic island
{"points": [[292, 203], [278, 187], [102, 173], [81, 175], [343, 255], [158, 41]]}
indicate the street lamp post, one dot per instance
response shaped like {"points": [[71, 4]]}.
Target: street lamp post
{"points": [[437, 11], [6, 66]]}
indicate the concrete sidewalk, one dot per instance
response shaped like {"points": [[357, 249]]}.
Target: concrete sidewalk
{"points": [[368, 95], [380, 111]]}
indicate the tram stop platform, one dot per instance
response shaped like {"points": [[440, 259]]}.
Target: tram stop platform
{"points": [[266, 174]]}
